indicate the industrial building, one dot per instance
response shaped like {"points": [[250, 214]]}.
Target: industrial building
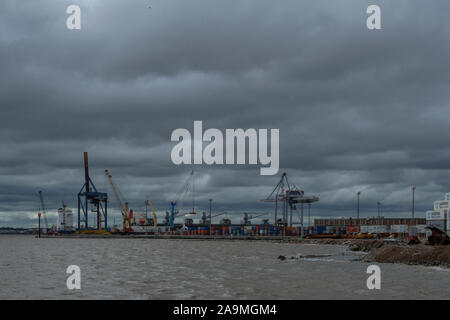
{"points": [[369, 221], [375, 226], [439, 216]]}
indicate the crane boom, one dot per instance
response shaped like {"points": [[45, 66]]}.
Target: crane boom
{"points": [[44, 211], [155, 219], [219, 214], [188, 186], [123, 209], [259, 215], [116, 193]]}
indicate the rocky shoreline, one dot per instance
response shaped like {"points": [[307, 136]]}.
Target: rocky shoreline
{"points": [[412, 255], [390, 251]]}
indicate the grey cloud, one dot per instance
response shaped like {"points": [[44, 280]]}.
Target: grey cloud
{"points": [[356, 109]]}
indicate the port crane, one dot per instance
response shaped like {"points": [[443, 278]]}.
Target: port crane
{"points": [[44, 211], [224, 220], [89, 194], [289, 195], [155, 219], [279, 195], [248, 219], [188, 187], [219, 214], [124, 209]]}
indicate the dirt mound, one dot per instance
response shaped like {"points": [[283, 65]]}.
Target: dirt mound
{"points": [[366, 245], [420, 255]]}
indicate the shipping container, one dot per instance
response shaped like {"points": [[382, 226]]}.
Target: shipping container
{"points": [[249, 230], [377, 229], [352, 229], [319, 229], [364, 229], [412, 231], [399, 228], [234, 230], [330, 230], [421, 228], [291, 231], [274, 231]]}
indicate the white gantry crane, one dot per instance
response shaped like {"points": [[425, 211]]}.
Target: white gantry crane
{"points": [[44, 211]]}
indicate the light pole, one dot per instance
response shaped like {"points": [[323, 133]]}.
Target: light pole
{"points": [[413, 189], [379, 211], [302, 234], [39, 224], [309, 214], [357, 207]]}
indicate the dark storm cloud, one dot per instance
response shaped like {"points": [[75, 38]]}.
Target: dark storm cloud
{"points": [[357, 109]]}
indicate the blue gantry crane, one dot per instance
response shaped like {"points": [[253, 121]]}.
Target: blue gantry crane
{"points": [[89, 195]]}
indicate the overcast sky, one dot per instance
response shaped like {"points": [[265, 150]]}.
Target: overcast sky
{"points": [[357, 109]]}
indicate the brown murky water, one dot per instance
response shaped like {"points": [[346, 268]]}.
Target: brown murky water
{"points": [[33, 268]]}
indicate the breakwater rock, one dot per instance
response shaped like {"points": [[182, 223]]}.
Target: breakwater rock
{"points": [[413, 255]]}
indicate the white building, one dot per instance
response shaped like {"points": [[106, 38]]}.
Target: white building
{"points": [[439, 216]]}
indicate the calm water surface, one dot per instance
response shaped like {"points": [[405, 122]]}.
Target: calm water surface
{"points": [[33, 268]]}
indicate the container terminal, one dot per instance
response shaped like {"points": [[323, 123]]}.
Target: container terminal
{"points": [[287, 200]]}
